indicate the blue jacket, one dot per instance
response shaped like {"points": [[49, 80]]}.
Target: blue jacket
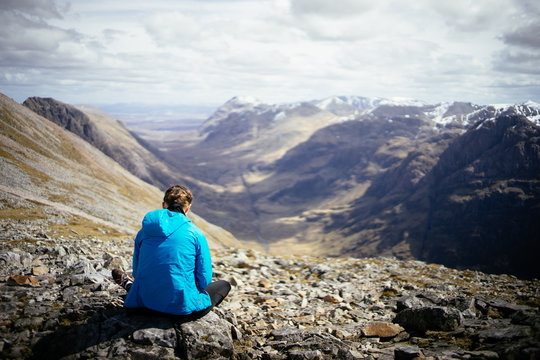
{"points": [[171, 265]]}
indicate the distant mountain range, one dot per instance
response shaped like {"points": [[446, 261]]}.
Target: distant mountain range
{"points": [[453, 183]]}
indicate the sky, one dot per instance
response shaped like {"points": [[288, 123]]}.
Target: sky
{"points": [[201, 53]]}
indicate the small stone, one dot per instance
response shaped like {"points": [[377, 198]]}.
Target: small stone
{"points": [[23, 280], [264, 283], [261, 324], [407, 353], [208, 337], [235, 281], [40, 270], [235, 333], [408, 302], [115, 263], [509, 333], [382, 329], [154, 353], [334, 299], [484, 355]]}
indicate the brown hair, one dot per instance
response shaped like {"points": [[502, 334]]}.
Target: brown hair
{"points": [[178, 194]]}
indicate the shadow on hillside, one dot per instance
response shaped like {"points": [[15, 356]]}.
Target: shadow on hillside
{"points": [[100, 332]]}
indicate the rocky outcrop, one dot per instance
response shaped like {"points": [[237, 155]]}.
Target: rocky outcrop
{"points": [[70, 118], [58, 301]]}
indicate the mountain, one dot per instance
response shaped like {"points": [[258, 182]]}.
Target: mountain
{"points": [[108, 135], [234, 148], [67, 211], [359, 176], [474, 207], [68, 186]]}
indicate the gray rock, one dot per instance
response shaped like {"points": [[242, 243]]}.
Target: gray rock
{"points": [[429, 318], [154, 336], [408, 302], [508, 309], [208, 337], [305, 355], [407, 353], [153, 353], [504, 334], [76, 311], [482, 355]]}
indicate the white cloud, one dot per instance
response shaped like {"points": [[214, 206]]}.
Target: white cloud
{"points": [[204, 52], [173, 28], [334, 9], [42, 9]]}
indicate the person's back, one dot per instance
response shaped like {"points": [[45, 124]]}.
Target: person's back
{"points": [[171, 263]]}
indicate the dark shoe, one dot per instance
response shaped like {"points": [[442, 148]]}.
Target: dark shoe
{"points": [[120, 277]]}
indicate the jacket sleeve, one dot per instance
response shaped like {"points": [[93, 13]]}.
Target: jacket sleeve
{"points": [[203, 262], [136, 247]]}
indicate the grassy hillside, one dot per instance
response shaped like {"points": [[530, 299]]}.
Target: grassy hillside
{"points": [[53, 177]]}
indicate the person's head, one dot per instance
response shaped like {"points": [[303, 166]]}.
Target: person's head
{"points": [[177, 197]]}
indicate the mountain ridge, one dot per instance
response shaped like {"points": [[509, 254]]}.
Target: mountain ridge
{"points": [[299, 177], [297, 195]]}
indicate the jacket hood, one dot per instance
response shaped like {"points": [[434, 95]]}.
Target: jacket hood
{"points": [[163, 222]]}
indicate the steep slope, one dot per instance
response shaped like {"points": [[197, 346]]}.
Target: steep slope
{"points": [[484, 199], [474, 208], [51, 176], [108, 135]]}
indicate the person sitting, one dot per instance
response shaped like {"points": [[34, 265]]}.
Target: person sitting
{"points": [[172, 266]]}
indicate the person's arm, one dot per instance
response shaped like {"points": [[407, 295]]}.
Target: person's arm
{"points": [[136, 248], [203, 263]]}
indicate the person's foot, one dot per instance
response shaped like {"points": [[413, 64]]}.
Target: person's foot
{"points": [[120, 277]]}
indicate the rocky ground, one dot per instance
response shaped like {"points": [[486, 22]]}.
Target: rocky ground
{"points": [[57, 300]]}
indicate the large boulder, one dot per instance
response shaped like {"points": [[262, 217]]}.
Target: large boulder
{"points": [[426, 318]]}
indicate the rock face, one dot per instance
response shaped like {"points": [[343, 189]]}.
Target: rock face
{"points": [[471, 205], [307, 308], [483, 196]]}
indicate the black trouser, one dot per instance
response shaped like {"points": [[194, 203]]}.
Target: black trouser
{"points": [[217, 290]]}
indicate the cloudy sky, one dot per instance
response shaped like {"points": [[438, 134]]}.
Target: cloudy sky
{"points": [[202, 53]]}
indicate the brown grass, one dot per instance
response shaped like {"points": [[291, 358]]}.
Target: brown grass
{"points": [[23, 214], [83, 227]]}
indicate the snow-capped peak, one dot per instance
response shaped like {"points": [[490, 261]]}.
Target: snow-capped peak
{"points": [[532, 104], [245, 100], [401, 101]]}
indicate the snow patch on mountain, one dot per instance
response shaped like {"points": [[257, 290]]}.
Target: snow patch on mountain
{"points": [[360, 104], [280, 116], [402, 101], [438, 114]]}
